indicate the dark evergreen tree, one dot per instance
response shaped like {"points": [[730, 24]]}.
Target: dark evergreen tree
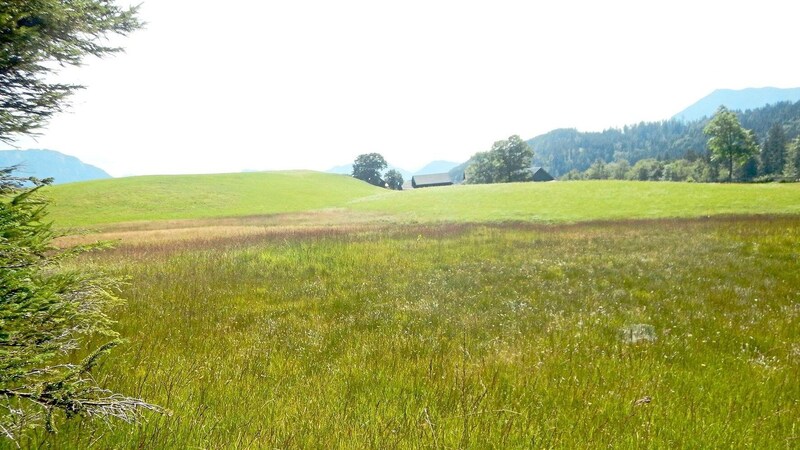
{"points": [[791, 169], [773, 152], [46, 312], [37, 37], [749, 169]]}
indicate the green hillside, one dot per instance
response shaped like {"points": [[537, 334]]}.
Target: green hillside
{"points": [[250, 194], [200, 196], [584, 200]]}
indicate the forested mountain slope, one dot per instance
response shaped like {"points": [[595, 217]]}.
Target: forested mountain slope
{"points": [[562, 150]]}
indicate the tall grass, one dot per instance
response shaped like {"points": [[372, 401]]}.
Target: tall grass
{"points": [[463, 336]]}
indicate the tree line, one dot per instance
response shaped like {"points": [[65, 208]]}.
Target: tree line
{"points": [[724, 149], [507, 161], [733, 153], [568, 151]]}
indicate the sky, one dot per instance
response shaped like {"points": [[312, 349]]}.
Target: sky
{"points": [[211, 86]]}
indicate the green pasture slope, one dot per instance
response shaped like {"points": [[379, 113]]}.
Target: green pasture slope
{"points": [[577, 201], [249, 194], [170, 197]]}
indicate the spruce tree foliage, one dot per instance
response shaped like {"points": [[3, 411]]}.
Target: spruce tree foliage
{"points": [[791, 169], [507, 161], [47, 312], [369, 167], [37, 37], [773, 152], [394, 180], [748, 170], [728, 141]]}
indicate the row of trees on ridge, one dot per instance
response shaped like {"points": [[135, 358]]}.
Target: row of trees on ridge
{"points": [[729, 152], [507, 161], [568, 150]]}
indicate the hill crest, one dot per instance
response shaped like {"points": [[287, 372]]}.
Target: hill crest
{"points": [[170, 197]]}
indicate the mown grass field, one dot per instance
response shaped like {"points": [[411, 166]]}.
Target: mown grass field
{"points": [[148, 198], [582, 201], [165, 198], [335, 330]]}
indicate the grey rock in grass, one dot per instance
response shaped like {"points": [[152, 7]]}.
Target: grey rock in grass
{"points": [[639, 332]]}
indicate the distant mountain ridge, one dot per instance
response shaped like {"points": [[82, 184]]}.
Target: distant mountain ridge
{"points": [[737, 100], [347, 169], [438, 166], [50, 164]]}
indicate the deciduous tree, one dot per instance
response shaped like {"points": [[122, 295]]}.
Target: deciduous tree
{"points": [[482, 169], [728, 141], [394, 180], [507, 161], [646, 170], [369, 167]]}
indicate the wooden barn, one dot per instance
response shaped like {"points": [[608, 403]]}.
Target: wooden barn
{"points": [[431, 180], [539, 174]]}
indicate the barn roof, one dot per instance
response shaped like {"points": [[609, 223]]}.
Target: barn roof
{"points": [[433, 179], [539, 174]]}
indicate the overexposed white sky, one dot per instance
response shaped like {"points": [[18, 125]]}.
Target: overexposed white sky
{"points": [[213, 86]]}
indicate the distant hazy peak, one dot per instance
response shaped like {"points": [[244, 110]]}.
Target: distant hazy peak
{"points": [[50, 163], [438, 166], [741, 99]]}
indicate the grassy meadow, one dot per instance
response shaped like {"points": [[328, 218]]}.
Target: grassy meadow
{"points": [[104, 203], [349, 325], [162, 198], [581, 201]]}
